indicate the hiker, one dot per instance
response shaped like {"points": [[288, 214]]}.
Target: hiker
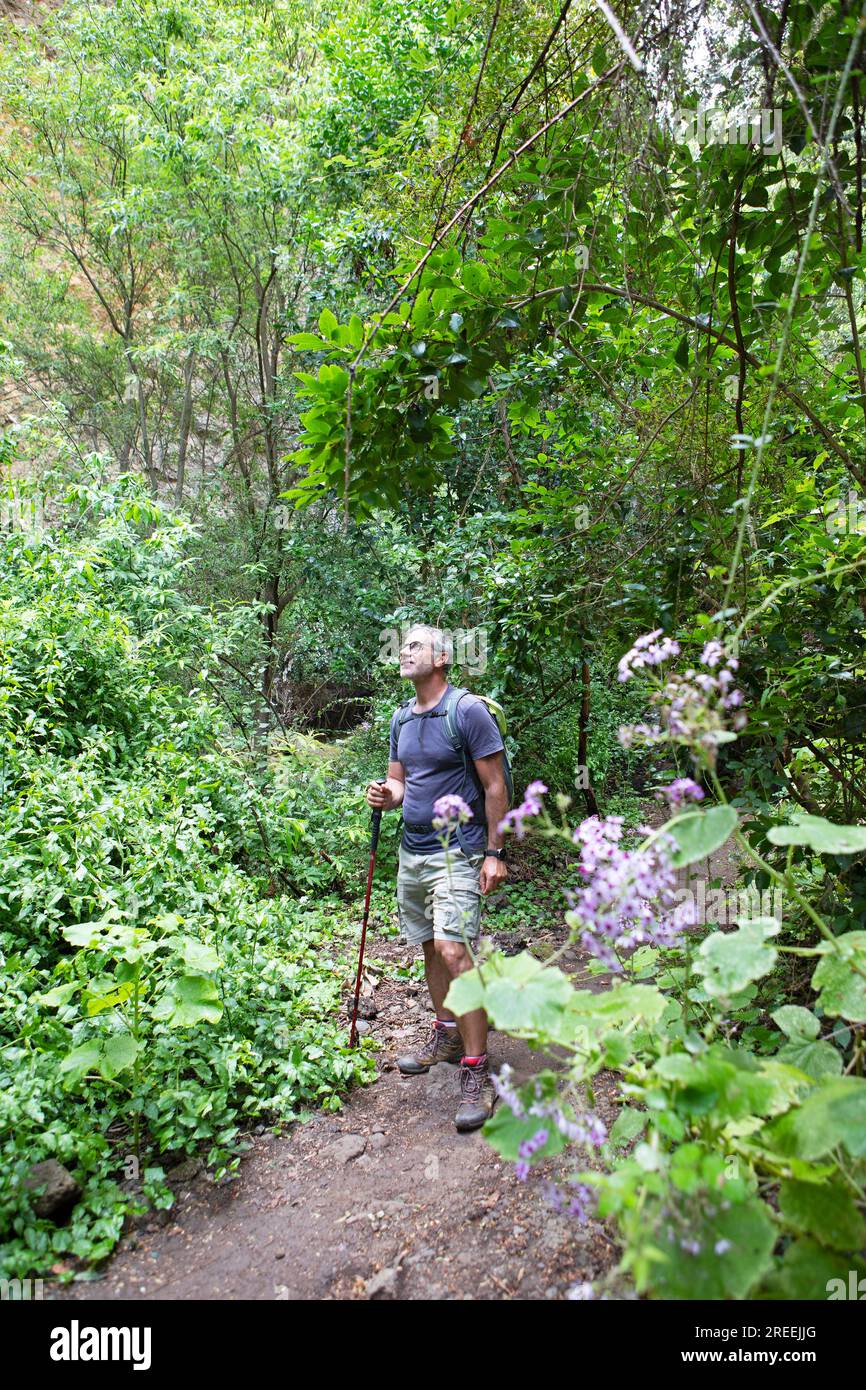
{"points": [[425, 766]]}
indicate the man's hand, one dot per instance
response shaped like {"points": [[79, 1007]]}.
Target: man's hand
{"points": [[380, 796], [493, 872]]}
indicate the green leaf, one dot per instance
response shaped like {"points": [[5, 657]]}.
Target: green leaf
{"points": [[809, 1272], [681, 356], [518, 993], [833, 1113], [308, 342], [796, 1022], [199, 958], [745, 1235], [506, 1132], [728, 961], [327, 324], [821, 835], [816, 1059], [475, 277], [628, 1124], [699, 833], [825, 1211], [190, 999], [119, 1051], [841, 991], [81, 1060], [61, 994]]}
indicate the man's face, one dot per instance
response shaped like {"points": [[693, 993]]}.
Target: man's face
{"points": [[416, 657]]}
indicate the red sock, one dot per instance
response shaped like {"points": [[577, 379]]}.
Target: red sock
{"points": [[473, 1061]]}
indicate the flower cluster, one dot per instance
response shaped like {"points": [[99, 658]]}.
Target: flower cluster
{"points": [[648, 651], [629, 897], [682, 789], [449, 810], [531, 807], [698, 708], [586, 1129], [526, 1150], [576, 1200]]}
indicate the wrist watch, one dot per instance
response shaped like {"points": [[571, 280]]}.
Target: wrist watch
{"points": [[495, 854]]}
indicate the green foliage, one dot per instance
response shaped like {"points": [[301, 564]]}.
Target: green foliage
{"points": [[162, 993]]}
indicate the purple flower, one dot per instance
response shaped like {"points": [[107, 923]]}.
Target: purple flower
{"points": [[722, 1247], [448, 810], [503, 1087], [576, 1200], [628, 897], [691, 1247], [712, 654], [531, 1146], [683, 789], [647, 651], [531, 807]]}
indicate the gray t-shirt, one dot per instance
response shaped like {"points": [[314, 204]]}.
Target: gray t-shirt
{"points": [[433, 768]]}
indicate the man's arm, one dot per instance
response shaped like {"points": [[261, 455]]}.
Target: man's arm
{"points": [[389, 796], [490, 771]]}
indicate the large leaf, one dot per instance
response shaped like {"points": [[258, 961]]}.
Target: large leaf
{"points": [[519, 995], [734, 1251], [825, 1211], [198, 957], [119, 1051], [833, 1113], [189, 1000], [796, 1022], [728, 961], [808, 1271], [507, 1131], [821, 835], [842, 992], [804, 1050], [699, 833], [81, 1060]]}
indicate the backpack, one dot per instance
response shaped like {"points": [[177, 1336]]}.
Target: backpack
{"points": [[448, 712]]}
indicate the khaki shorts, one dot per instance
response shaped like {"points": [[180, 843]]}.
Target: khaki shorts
{"points": [[438, 899]]}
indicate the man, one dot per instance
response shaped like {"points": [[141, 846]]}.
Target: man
{"points": [[424, 767]]}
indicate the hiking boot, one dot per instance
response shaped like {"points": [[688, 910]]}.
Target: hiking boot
{"points": [[478, 1096], [445, 1045]]}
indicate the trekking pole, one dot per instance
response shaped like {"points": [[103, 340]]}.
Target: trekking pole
{"points": [[375, 825]]}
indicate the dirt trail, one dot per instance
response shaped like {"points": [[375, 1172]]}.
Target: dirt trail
{"points": [[386, 1199]]}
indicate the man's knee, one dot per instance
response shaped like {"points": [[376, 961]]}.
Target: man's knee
{"points": [[453, 955]]}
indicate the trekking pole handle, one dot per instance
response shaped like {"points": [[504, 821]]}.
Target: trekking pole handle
{"points": [[376, 821]]}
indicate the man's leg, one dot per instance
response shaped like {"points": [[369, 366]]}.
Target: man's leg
{"points": [[445, 1043], [451, 959], [456, 921]]}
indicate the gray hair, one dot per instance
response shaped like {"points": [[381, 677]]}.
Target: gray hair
{"points": [[441, 641]]}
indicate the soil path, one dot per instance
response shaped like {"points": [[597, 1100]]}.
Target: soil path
{"points": [[386, 1199]]}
